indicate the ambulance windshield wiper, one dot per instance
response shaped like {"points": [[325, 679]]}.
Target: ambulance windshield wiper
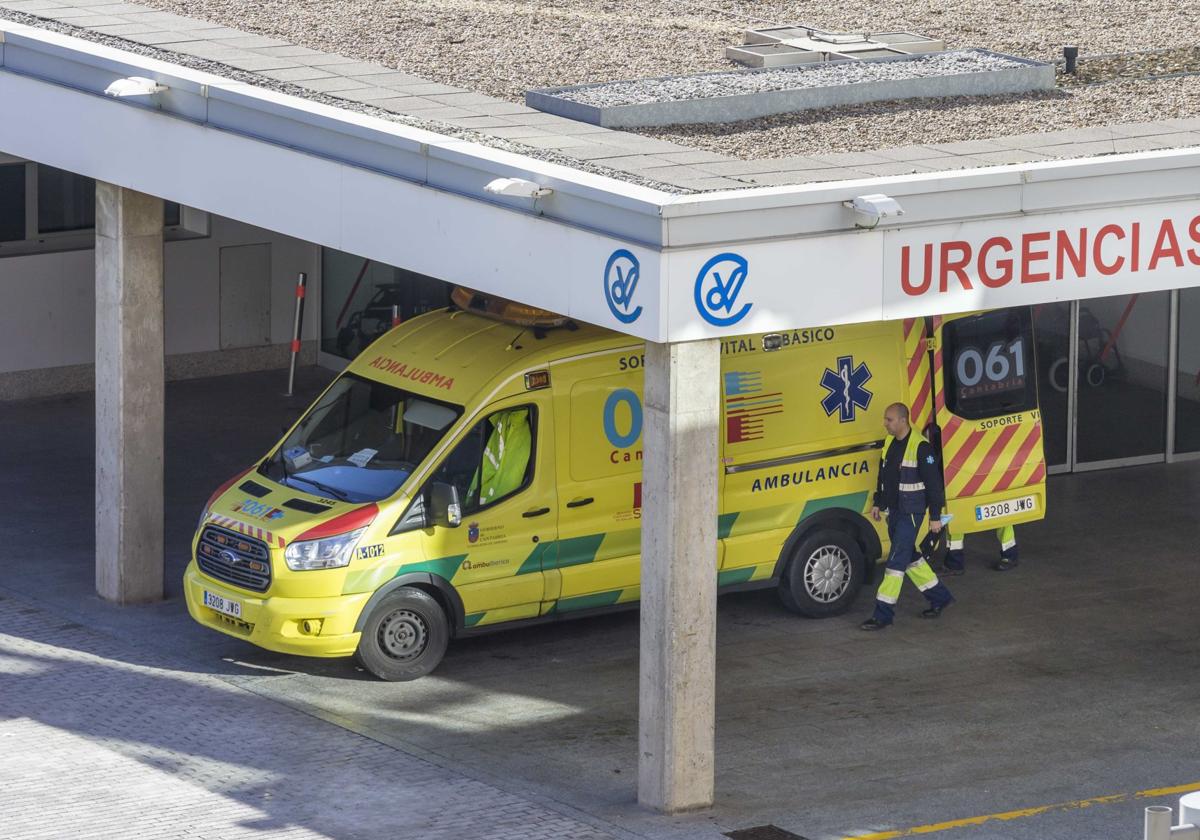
{"points": [[325, 488]]}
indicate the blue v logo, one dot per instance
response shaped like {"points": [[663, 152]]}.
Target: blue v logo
{"points": [[718, 287], [621, 275]]}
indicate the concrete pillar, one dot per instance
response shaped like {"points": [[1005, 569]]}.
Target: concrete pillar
{"points": [[679, 575], [129, 395]]}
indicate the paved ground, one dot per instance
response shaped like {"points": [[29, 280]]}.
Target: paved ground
{"points": [[1067, 680]]}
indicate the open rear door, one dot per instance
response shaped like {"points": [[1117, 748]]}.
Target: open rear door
{"points": [[985, 406]]}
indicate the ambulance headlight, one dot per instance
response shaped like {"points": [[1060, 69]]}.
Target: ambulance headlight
{"points": [[329, 553]]}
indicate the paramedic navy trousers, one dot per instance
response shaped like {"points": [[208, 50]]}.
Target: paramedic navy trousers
{"points": [[902, 561]]}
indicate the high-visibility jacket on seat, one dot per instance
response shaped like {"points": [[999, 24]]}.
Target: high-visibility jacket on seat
{"points": [[506, 455]]}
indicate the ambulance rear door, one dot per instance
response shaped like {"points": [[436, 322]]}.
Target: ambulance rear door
{"points": [[988, 420]]}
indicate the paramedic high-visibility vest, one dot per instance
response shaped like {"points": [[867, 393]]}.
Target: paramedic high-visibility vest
{"points": [[912, 488], [506, 456]]}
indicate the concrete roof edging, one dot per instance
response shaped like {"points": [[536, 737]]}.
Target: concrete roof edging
{"points": [[935, 198]]}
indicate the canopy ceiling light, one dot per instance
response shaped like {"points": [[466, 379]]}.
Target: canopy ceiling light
{"points": [[518, 187], [134, 86], [870, 210]]}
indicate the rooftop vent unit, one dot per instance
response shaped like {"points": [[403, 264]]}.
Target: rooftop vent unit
{"points": [[785, 46]]}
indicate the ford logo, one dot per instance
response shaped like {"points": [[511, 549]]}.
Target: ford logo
{"points": [[229, 557]]}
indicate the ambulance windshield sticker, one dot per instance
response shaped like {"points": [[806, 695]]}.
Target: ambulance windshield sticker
{"points": [[747, 404], [362, 457], [621, 275], [845, 386], [718, 287]]}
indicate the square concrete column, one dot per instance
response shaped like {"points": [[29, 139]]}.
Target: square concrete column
{"points": [[679, 575], [129, 395]]}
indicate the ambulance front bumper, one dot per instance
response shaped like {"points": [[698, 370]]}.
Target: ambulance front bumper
{"points": [[300, 626]]}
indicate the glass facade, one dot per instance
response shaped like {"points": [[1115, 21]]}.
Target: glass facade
{"points": [[1122, 366], [1187, 374], [12, 202], [359, 296], [1112, 388], [66, 201], [62, 202], [1052, 325]]}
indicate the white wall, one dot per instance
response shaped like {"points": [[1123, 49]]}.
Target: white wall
{"points": [[48, 314]]}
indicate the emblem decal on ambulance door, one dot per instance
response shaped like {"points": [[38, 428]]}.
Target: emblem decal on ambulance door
{"points": [[846, 393]]}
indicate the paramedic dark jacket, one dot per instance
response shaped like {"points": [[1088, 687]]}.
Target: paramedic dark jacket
{"points": [[887, 490]]}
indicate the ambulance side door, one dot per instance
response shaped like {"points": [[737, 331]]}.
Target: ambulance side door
{"points": [[985, 405], [599, 405], [499, 548]]}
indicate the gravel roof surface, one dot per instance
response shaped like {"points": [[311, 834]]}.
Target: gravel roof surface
{"points": [[505, 47], [677, 88], [880, 125]]}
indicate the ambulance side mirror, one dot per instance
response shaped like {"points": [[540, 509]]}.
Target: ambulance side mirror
{"points": [[444, 507]]}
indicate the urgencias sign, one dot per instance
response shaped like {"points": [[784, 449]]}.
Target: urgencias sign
{"points": [[1035, 259]]}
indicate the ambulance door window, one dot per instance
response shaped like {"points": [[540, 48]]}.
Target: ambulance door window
{"points": [[990, 364], [493, 461]]}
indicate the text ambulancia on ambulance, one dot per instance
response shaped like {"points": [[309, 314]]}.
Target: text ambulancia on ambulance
{"points": [[480, 467]]}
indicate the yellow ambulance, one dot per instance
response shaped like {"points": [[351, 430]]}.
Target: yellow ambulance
{"points": [[480, 467]]}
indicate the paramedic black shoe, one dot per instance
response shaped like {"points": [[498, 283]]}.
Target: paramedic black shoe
{"points": [[1004, 564], [949, 571], [935, 612], [872, 624]]}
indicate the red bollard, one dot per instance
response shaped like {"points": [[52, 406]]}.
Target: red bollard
{"points": [[300, 281]]}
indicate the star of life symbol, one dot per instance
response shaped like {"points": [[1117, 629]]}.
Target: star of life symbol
{"points": [[621, 275], [845, 387]]}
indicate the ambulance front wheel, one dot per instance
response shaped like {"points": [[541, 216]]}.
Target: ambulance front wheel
{"points": [[404, 637], [824, 574]]}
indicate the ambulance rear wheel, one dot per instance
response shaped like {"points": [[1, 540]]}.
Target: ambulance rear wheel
{"points": [[824, 574], [405, 636]]}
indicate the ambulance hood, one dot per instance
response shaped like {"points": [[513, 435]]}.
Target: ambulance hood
{"points": [[262, 509]]}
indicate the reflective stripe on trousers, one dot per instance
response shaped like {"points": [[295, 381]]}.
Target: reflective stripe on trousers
{"points": [[902, 528]]}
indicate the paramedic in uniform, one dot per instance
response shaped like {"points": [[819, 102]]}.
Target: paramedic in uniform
{"points": [[910, 484]]}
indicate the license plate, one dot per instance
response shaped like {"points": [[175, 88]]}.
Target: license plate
{"points": [[1009, 507], [222, 605]]}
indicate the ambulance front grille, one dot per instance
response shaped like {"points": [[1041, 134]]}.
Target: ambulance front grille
{"points": [[234, 558]]}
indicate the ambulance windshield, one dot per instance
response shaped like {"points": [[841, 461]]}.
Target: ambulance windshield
{"points": [[361, 441]]}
